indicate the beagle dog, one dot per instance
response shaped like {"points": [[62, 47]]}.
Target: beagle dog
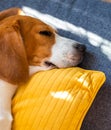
{"points": [[28, 45]]}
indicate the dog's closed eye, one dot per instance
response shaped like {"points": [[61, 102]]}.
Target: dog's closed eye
{"points": [[45, 33]]}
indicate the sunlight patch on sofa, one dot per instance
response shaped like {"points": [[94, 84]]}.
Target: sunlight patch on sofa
{"points": [[100, 42]]}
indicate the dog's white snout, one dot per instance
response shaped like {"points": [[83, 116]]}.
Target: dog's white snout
{"points": [[66, 52]]}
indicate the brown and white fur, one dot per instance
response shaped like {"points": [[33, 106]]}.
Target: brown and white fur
{"points": [[28, 45]]}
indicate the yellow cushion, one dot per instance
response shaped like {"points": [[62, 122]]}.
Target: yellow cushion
{"points": [[56, 99]]}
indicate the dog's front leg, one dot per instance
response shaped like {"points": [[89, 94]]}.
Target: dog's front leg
{"points": [[7, 91]]}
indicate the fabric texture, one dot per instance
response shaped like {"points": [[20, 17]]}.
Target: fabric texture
{"points": [[89, 22], [56, 99]]}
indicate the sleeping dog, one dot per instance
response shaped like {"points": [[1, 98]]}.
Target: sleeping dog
{"points": [[28, 45]]}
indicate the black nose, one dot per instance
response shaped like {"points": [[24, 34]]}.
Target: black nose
{"points": [[80, 47]]}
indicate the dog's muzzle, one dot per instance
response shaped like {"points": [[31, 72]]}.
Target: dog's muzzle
{"points": [[66, 53]]}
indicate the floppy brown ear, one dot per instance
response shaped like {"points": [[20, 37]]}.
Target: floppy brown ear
{"points": [[10, 12], [13, 59]]}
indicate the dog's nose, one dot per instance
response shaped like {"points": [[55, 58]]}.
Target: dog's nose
{"points": [[80, 47]]}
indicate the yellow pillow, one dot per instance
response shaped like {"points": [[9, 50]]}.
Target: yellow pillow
{"points": [[56, 99]]}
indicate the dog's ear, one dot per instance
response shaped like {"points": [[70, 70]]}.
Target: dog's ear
{"points": [[10, 12], [13, 59]]}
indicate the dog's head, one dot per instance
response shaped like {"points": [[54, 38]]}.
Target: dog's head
{"points": [[26, 41], [45, 47]]}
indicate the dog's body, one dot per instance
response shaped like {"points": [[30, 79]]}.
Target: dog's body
{"points": [[27, 45]]}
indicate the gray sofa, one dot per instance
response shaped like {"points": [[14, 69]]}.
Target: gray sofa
{"points": [[89, 22]]}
